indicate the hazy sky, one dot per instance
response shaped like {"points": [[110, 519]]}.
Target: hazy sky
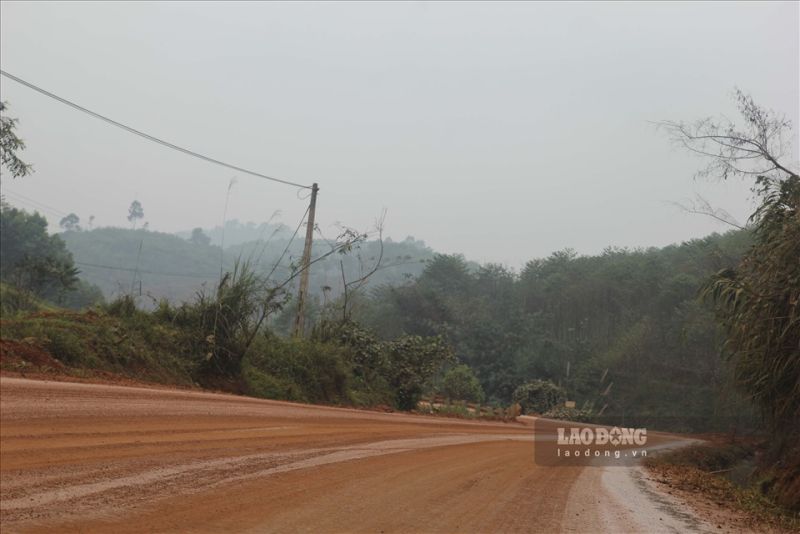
{"points": [[504, 131]]}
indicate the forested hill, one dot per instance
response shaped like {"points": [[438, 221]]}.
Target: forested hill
{"points": [[623, 332], [235, 232], [120, 261]]}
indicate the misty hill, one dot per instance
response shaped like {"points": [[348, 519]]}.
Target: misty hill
{"points": [[116, 259], [168, 266], [238, 233]]}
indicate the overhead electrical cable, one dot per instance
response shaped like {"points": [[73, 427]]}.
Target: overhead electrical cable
{"points": [[148, 136], [34, 203], [289, 244], [144, 271]]}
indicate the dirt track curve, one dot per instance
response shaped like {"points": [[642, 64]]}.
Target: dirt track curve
{"points": [[82, 457]]}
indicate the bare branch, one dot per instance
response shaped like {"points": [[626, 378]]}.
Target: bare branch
{"points": [[701, 206], [754, 149]]}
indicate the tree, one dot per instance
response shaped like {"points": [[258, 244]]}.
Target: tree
{"points": [[413, 360], [10, 144], [758, 302], [538, 396], [448, 273], [349, 288], [754, 150], [461, 383], [135, 212], [32, 260], [70, 223], [198, 237]]}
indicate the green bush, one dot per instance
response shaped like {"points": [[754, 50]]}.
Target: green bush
{"points": [[538, 396], [569, 414], [319, 371], [65, 345], [14, 300], [123, 306], [460, 383], [261, 384], [400, 369], [413, 360]]}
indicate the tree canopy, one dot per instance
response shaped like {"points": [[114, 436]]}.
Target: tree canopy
{"points": [[10, 145], [31, 259]]}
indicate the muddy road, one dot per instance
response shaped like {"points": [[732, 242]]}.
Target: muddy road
{"points": [[98, 458]]}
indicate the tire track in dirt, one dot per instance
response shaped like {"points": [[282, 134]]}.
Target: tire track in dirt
{"points": [[99, 458], [229, 470]]}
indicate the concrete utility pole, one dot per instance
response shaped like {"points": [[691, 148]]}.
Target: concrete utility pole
{"points": [[300, 319]]}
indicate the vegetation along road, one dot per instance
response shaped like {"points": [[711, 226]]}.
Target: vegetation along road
{"points": [[93, 457]]}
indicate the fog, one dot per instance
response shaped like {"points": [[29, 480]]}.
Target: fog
{"points": [[503, 131]]}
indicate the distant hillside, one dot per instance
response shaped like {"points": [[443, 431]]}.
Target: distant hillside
{"points": [[238, 233], [168, 266], [117, 259]]}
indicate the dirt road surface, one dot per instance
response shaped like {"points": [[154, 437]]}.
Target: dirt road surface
{"points": [[98, 458]]}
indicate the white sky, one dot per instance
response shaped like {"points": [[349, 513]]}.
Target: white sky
{"points": [[504, 131]]}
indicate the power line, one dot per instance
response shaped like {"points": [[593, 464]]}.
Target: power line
{"points": [[142, 271], [34, 203], [289, 244], [147, 136]]}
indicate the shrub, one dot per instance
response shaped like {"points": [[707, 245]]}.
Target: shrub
{"points": [[318, 371], [413, 360], [460, 383], [65, 346], [399, 370], [14, 300], [569, 414], [123, 306], [538, 396], [260, 384]]}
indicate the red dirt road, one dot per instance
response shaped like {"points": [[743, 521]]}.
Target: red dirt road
{"points": [[83, 457]]}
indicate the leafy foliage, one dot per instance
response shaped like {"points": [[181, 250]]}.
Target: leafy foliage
{"points": [[460, 383], [413, 360], [757, 301], [224, 324], [759, 305], [539, 396], [563, 413], [70, 223], [220, 340], [35, 263], [299, 370], [404, 366], [622, 332], [10, 144], [135, 212]]}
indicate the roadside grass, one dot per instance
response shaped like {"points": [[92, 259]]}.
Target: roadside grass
{"points": [[704, 470], [13, 301], [82, 344], [462, 410], [119, 343]]}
